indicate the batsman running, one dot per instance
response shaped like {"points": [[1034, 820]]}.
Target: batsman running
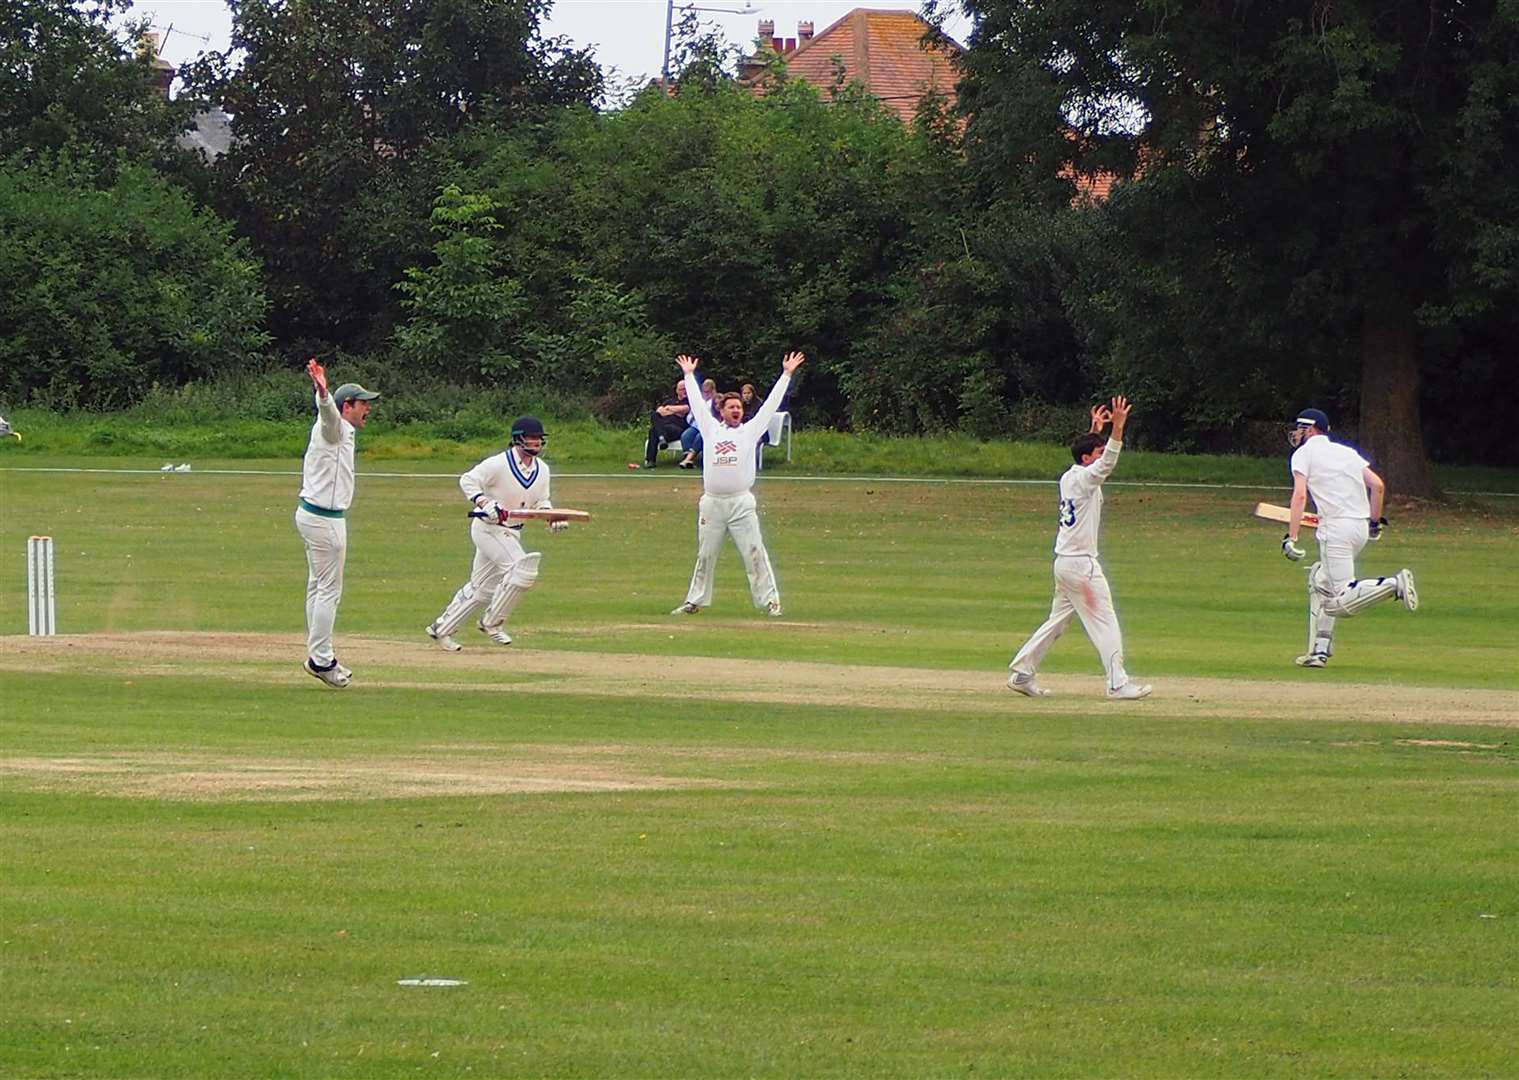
{"points": [[515, 479], [1339, 479], [727, 503], [1081, 588]]}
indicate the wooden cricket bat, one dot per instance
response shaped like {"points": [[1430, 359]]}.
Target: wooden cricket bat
{"points": [[1272, 512], [555, 514]]}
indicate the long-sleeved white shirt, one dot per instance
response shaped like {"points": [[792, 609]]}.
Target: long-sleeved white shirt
{"points": [[1336, 476], [327, 473], [1081, 503], [728, 454], [504, 478]]}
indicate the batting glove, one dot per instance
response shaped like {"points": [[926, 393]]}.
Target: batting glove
{"points": [[490, 510], [558, 526], [1375, 527], [1291, 550]]}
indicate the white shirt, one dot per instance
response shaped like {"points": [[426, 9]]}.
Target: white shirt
{"points": [[1336, 476], [504, 478], [327, 472], [728, 454], [1081, 503]]}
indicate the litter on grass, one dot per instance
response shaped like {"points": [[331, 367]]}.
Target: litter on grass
{"points": [[432, 982]]}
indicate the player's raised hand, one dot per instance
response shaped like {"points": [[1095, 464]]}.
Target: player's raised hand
{"points": [[1100, 417], [688, 364], [1120, 414], [791, 361], [318, 375]]}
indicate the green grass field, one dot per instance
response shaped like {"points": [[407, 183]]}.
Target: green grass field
{"points": [[830, 844]]}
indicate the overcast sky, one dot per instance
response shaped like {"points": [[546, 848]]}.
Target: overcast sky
{"points": [[628, 35]]}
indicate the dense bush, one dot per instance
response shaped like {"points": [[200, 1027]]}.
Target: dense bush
{"points": [[109, 291]]}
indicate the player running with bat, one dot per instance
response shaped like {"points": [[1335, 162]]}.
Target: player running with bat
{"points": [[1348, 495], [503, 571]]}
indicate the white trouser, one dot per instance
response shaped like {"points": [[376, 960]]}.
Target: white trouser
{"points": [[326, 542], [1081, 589], [1333, 590], [718, 516], [501, 573]]}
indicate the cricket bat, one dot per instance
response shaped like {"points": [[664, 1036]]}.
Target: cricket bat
{"points": [[553, 515], [1272, 512]]}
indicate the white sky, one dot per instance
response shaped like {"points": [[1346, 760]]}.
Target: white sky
{"points": [[628, 35]]}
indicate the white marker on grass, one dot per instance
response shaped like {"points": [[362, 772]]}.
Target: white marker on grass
{"points": [[432, 982]]}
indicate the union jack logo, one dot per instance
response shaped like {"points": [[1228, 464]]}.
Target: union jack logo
{"points": [[726, 448]]}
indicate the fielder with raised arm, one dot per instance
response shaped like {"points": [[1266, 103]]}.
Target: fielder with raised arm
{"points": [[515, 479], [1339, 479], [727, 503], [1081, 588], [327, 482]]}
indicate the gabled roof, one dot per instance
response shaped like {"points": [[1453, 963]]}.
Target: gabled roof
{"points": [[884, 50], [211, 135]]}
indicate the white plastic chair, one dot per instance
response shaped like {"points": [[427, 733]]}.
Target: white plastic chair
{"points": [[780, 426]]}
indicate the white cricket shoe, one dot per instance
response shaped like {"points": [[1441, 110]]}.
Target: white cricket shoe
{"points": [[1025, 685], [335, 676], [687, 608], [496, 633], [1406, 591], [1130, 691], [773, 609], [344, 671], [445, 642], [1313, 659]]}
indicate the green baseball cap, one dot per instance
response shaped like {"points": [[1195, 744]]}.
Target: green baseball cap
{"points": [[352, 391]]}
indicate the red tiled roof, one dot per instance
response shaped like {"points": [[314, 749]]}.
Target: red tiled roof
{"points": [[885, 51]]}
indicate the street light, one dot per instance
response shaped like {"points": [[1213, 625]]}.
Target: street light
{"points": [[664, 69]]}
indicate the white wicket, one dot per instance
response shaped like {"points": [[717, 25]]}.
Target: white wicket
{"points": [[41, 604]]}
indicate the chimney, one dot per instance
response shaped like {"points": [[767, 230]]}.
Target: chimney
{"points": [[778, 44], [791, 45], [766, 29], [804, 32], [163, 71]]}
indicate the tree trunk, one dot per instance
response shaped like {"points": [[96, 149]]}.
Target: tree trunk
{"points": [[1391, 435]]}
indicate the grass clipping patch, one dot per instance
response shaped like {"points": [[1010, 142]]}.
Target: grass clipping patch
{"points": [[209, 778]]}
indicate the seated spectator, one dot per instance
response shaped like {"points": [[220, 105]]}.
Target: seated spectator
{"points": [[667, 422], [690, 441]]}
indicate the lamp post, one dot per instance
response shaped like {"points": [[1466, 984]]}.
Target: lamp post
{"points": [[664, 68]]}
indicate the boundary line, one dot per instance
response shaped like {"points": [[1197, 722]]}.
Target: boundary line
{"points": [[947, 480]]}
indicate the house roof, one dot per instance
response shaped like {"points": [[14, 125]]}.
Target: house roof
{"points": [[885, 51], [211, 135]]}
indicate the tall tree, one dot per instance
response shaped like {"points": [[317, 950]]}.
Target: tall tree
{"points": [[1325, 188], [68, 77], [333, 104]]}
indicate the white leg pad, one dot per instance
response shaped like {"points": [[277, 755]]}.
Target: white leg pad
{"points": [[521, 577], [459, 608], [1320, 625], [1360, 595]]}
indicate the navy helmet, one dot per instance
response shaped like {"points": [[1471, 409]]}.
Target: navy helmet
{"points": [[525, 426], [1307, 418]]}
